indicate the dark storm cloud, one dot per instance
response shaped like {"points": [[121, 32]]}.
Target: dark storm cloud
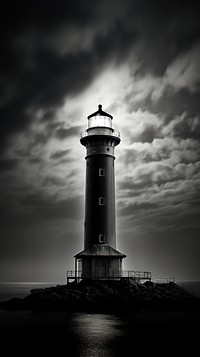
{"points": [[168, 208], [63, 133], [36, 160], [39, 206], [129, 183], [37, 73], [8, 164], [137, 207], [55, 181], [147, 135], [187, 127], [172, 104], [59, 154], [47, 207], [54, 130], [34, 73], [146, 155], [166, 30]]}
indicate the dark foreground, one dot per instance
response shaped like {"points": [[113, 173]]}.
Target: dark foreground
{"points": [[105, 296], [107, 319], [83, 334]]}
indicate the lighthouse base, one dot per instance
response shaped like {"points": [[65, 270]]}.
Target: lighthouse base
{"points": [[99, 261]]}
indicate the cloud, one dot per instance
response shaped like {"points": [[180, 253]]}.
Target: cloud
{"points": [[170, 93], [53, 180], [59, 154], [142, 126], [158, 209], [41, 77], [184, 71], [160, 182], [37, 206], [137, 207], [174, 29], [64, 133], [48, 57], [49, 207], [8, 164], [184, 126]]}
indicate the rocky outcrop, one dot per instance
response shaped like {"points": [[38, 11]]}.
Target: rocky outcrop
{"points": [[104, 296]]}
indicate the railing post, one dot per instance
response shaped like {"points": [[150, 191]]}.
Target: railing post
{"points": [[75, 269]]}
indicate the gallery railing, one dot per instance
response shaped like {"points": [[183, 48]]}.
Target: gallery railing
{"points": [[114, 274], [100, 131], [164, 280]]}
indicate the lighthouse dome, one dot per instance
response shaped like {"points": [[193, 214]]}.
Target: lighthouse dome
{"points": [[100, 119], [100, 112]]}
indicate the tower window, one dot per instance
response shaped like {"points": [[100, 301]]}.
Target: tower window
{"points": [[101, 238], [102, 172], [101, 201]]}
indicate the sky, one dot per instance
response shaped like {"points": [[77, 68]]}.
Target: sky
{"points": [[140, 59]]}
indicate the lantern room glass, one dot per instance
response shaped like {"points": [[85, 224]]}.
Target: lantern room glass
{"points": [[99, 121]]}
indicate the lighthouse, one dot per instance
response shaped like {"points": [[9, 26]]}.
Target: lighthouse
{"points": [[100, 259]]}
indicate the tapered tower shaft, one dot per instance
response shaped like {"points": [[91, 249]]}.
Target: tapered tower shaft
{"points": [[99, 222], [100, 257]]}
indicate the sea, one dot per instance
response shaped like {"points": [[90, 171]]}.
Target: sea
{"points": [[84, 334]]}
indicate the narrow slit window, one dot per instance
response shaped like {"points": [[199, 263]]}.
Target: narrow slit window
{"points": [[101, 201], [102, 172], [101, 238]]}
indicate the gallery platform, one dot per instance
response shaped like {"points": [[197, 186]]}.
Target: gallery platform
{"points": [[138, 276]]}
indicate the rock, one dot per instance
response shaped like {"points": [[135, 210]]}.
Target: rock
{"points": [[14, 304], [36, 291], [105, 296]]}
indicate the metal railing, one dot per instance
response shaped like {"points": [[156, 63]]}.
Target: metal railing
{"points": [[113, 274], [73, 273], [164, 280], [136, 274], [100, 131]]}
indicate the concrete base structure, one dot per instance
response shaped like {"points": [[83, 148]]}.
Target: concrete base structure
{"points": [[99, 261]]}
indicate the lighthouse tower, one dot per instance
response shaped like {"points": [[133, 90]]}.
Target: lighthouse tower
{"points": [[99, 259]]}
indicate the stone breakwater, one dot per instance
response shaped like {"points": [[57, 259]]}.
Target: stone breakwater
{"points": [[105, 296]]}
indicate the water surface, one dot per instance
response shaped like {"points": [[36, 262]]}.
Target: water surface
{"points": [[88, 334], [92, 335]]}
